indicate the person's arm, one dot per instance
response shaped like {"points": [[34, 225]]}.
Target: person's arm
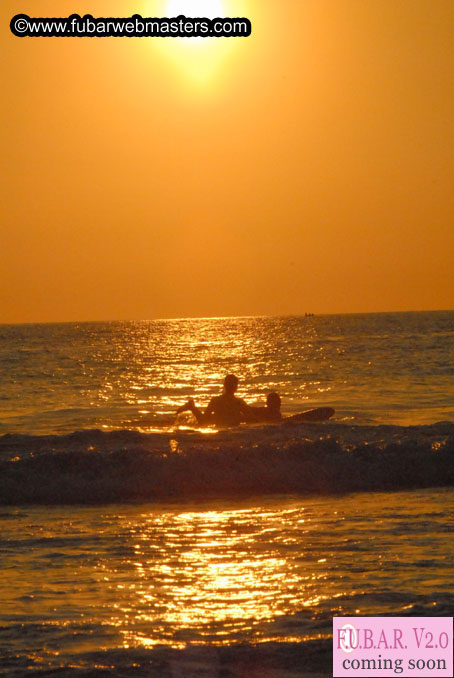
{"points": [[207, 416], [203, 418], [190, 406], [198, 414], [249, 413]]}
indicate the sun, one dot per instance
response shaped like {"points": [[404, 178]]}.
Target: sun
{"points": [[210, 9], [198, 59], [196, 8]]}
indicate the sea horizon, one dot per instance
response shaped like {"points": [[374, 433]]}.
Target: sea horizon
{"points": [[226, 361], [226, 317]]}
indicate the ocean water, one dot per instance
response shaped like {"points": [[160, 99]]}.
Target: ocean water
{"points": [[221, 588], [382, 368], [134, 544]]}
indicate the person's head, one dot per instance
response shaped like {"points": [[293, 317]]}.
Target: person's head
{"points": [[273, 402], [230, 384]]}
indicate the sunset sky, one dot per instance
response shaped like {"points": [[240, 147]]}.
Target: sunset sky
{"points": [[308, 168]]}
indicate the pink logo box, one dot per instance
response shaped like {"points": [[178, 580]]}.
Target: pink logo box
{"points": [[393, 646]]}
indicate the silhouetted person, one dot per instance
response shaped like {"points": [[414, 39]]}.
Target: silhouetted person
{"points": [[224, 410], [228, 410], [271, 412]]}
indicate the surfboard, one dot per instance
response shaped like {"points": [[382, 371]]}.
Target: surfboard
{"points": [[317, 414]]}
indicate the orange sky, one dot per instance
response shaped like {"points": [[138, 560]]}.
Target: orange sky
{"points": [[309, 167]]}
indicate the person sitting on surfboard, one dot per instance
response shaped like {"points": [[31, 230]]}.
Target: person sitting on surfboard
{"points": [[229, 410], [224, 410], [271, 411]]}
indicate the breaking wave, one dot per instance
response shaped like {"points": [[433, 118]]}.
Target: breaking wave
{"points": [[93, 466]]}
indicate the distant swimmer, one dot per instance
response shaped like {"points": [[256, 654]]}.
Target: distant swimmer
{"points": [[224, 410]]}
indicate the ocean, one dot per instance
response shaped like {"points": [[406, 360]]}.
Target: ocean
{"points": [[133, 543]]}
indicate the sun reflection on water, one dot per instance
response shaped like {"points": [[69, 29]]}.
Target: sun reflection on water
{"points": [[155, 367], [270, 569], [213, 572], [213, 575]]}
